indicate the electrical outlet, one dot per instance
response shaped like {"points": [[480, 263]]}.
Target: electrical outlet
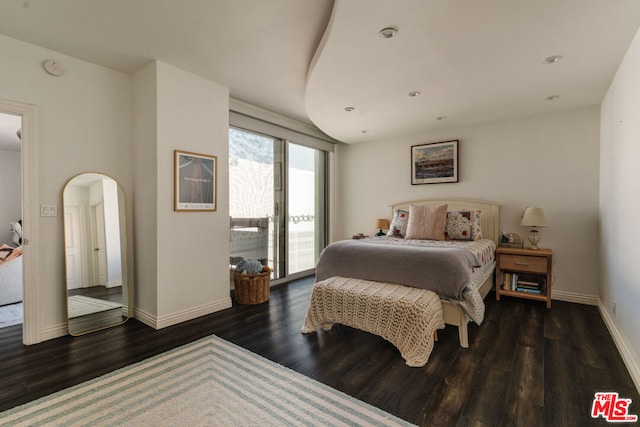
{"points": [[614, 308]]}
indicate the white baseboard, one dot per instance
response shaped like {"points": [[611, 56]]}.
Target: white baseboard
{"points": [[55, 331], [114, 283], [630, 362], [145, 317], [181, 316], [574, 297]]}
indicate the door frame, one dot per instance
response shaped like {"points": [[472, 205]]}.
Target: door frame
{"points": [[31, 283]]}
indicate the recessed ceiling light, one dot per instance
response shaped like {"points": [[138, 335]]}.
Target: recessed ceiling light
{"points": [[388, 32], [441, 118], [552, 97], [364, 131], [552, 59], [349, 109], [414, 93]]}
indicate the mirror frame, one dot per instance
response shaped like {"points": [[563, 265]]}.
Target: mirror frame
{"points": [[127, 293]]}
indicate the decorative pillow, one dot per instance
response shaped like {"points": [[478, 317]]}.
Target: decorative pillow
{"points": [[398, 227], [463, 225], [427, 222]]}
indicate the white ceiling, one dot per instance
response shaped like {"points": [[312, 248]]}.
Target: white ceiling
{"points": [[472, 61]]}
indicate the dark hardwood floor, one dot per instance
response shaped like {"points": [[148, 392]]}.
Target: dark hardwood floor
{"points": [[526, 366], [113, 294]]}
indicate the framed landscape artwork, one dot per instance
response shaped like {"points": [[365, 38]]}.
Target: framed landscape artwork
{"points": [[195, 181], [434, 163]]}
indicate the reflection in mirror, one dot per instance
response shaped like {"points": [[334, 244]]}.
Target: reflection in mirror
{"points": [[95, 240]]}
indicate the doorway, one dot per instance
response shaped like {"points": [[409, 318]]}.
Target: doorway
{"points": [[277, 203], [11, 278], [31, 325]]}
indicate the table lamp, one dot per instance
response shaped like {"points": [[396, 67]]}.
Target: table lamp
{"points": [[382, 224], [533, 217]]}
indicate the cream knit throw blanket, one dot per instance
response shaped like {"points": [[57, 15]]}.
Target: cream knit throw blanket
{"points": [[406, 317]]}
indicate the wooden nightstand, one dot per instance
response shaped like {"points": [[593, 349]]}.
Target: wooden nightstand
{"points": [[524, 273]]}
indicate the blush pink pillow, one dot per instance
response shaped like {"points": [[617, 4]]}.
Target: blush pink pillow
{"points": [[427, 222]]}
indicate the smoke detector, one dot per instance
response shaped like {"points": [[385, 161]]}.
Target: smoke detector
{"points": [[52, 67]]}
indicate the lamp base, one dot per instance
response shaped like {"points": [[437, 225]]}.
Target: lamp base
{"points": [[534, 238], [380, 233]]}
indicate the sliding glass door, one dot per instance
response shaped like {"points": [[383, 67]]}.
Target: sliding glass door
{"points": [[306, 207], [276, 202]]}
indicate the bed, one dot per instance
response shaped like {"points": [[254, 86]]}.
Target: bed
{"points": [[11, 276], [387, 259]]}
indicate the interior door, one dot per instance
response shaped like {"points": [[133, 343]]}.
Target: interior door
{"points": [[99, 248], [73, 246]]}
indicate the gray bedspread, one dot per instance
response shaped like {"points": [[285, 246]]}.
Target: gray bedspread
{"points": [[443, 270]]}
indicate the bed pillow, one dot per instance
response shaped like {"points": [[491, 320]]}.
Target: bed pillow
{"points": [[463, 225], [427, 222], [398, 227]]}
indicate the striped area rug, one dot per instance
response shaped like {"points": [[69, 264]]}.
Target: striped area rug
{"points": [[210, 382]]}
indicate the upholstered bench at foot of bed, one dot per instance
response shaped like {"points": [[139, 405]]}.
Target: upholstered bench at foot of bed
{"points": [[406, 317]]}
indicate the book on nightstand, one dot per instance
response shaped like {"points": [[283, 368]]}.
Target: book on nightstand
{"points": [[528, 290]]}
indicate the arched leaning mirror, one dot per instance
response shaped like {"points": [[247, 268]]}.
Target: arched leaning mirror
{"points": [[95, 238]]}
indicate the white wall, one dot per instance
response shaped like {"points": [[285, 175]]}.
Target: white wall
{"points": [[10, 193], [549, 161], [192, 248], [84, 124], [620, 205]]}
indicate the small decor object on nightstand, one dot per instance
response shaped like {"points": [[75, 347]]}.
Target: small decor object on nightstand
{"points": [[510, 240], [359, 236], [382, 224], [533, 217]]}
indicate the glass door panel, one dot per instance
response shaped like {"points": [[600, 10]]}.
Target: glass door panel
{"points": [[306, 206], [253, 199]]}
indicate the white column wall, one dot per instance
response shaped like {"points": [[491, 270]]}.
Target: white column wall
{"points": [[183, 257], [193, 247]]}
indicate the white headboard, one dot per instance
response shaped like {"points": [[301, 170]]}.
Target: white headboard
{"points": [[490, 219]]}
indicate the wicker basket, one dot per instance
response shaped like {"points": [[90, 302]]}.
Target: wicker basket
{"points": [[251, 288]]}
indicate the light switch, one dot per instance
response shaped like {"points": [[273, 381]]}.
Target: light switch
{"points": [[48, 210]]}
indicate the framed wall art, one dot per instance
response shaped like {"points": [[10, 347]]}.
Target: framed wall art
{"points": [[195, 181], [434, 163]]}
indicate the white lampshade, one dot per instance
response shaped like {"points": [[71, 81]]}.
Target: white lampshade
{"points": [[533, 217]]}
